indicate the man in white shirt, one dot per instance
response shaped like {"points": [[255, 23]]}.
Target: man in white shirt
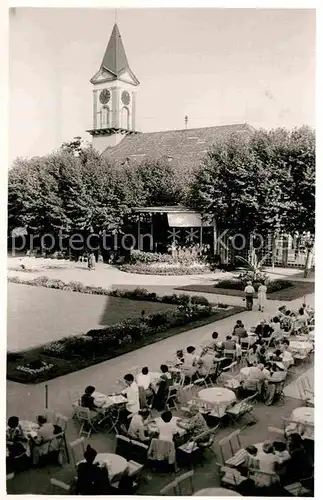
{"points": [[132, 395], [138, 426], [249, 292], [143, 379], [166, 426]]}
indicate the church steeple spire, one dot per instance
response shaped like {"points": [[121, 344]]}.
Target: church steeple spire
{"points": [[114, 96]]}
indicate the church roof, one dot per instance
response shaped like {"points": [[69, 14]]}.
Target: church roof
{"points": [[115, 59], [182, 148]]}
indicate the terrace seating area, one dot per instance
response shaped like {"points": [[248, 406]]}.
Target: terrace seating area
{"points": [[209, 406]]}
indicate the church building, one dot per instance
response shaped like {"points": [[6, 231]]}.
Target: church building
{"points": [[114, 132]]}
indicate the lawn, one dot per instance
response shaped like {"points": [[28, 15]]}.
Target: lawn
{"points": [[63, 366], [296, 290], [37, 315]]}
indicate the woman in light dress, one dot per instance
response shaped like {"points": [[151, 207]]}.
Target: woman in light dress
{"points": [[262, 296]]}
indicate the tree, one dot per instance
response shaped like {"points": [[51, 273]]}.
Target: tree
{"points": [[160, 183]]}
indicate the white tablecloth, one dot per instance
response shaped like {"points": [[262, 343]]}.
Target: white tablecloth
{"points": [[218, 397], [103, 401], [296, 347], [305, 416], [115, 464], [216, 492], [30, 428]]}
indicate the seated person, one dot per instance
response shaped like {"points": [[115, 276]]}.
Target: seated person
{"points": [[252, 356], [263, 329], [251, 461], [280, 450], [161, 396], [17, 442], [132, 394], [281, 312], [144, 382], [254, 380], [286, 322], [196, 424], [92, 478], [229, 344], [45, 434], [273, 384], [277, 356], [240, 331], [189, 367], [179, 358], [277, 332], [216, 344], [287, 357], [267, 463], [205, 363], [301, 464], [301, 321], [167, 428], [138, 426], [87, 400]]}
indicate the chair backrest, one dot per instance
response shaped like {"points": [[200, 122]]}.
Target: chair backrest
{"points": [[82, 414], [181, 479], [229, 353], [232, 474], [77, 448], [61, 421], [123, 446], [261, 477], [139, 452], [60, 484], [162, 450], [170, 487], [230, 445], [229, 368], [186, 393]]}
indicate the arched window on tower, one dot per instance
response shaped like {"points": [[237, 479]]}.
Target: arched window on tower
{"points": [[105, 117], [125, 118]]}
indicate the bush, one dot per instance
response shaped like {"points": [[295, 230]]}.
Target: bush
{"points": [[148, 257], [233, 284], [200, 299], [276, 285], [166, 269]]}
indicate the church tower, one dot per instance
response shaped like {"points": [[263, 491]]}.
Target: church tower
{"points": [[114, 96]]}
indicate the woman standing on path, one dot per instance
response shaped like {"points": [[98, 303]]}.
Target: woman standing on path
{"points": [[262, 297]]}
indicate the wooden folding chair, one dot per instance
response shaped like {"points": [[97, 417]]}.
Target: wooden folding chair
{"points": [[83, 416], [243, 408], [138, 452], [77, 448], [229, 446], [298, 490], [230, 477], [176, 486], [123, 446]]}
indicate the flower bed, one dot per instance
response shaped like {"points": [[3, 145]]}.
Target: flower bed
{"points": [[77, 352], [166, 269], [283, 290]]}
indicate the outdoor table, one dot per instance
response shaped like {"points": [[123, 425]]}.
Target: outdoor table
{"points": [[296, 347], [115, 464], [153, 426], [305, 415], [29, 428], [216, 492], [218, 397]]}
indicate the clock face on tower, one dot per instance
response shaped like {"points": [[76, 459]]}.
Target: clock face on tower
{"points": [[105, 96], [125, 98]]}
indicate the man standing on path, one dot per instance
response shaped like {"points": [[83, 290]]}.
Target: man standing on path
{"points": [[249, 294]]}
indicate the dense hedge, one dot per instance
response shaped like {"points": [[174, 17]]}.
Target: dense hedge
{"points": [[235, 284], [135, 294]]}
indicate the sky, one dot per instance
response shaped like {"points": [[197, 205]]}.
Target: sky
{"points": [[217, 66]]}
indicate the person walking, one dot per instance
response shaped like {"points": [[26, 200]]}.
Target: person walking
{"points": [[249, 292], [262, 296]]}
